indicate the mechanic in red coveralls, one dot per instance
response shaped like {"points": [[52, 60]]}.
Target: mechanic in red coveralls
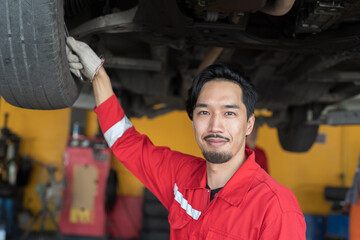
{"points": [[227, 195]]}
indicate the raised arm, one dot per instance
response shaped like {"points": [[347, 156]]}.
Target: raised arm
{"points": [[102, 87], [155, 166], [87, 62]]}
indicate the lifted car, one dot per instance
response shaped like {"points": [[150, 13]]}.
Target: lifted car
{"points": [[301, 56]]}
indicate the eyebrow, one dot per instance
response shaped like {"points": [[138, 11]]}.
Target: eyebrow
{"points": [[233, 106], [201, 105]]}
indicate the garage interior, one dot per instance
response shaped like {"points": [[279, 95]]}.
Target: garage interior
{"points": [[59, 180], [44, 135]]}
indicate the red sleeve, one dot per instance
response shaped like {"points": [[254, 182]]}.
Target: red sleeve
{"points": [[109, 113], [154, 166]]}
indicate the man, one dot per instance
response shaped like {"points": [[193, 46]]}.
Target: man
{"points": [[260, 156], [249, 204]]}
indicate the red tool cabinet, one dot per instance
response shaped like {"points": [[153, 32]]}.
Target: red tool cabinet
{"points": [[86, 169]]}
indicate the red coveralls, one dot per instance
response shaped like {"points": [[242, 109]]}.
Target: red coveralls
{"points": [[252, 205]]}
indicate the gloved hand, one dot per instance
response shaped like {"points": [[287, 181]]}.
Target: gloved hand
{"points": [[86, 61], [74, 63]]}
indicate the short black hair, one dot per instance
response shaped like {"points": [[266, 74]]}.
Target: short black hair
{"points": [[225, 72]]}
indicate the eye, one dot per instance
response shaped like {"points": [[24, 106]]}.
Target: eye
{"points": [[230, 114], [203, 112]]}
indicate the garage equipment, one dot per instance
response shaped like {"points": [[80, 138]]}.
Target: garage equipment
{"points": [[315, 226], [337, 221], [86, 169], [50, 191], [9, 146], [336, 196], [9, 152]]}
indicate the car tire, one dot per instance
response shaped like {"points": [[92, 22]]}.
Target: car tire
{"points": [[297, 136], [34, 72], [297, 139]]}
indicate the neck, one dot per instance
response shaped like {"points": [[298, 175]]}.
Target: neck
{"points": [[219, 174], [251, 145]]}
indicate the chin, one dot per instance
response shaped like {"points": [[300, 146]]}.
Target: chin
{"points": [[217, 157]]}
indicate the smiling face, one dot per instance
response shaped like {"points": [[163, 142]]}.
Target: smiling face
{"points": [[220, 122]]}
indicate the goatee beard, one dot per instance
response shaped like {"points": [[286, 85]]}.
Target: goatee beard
{"points": [[217, 157]]}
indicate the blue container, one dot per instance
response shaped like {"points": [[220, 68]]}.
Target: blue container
{"points": [[315, 227], [7, 214], [338, 225]]}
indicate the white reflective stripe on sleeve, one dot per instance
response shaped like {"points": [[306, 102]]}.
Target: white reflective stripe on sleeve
{"points": [[116, 131], [195, 214]]}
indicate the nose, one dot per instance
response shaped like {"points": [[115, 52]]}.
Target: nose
{"points": [[216, 124]]}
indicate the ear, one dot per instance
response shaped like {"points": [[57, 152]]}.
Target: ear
{"points": [[250, 124]]}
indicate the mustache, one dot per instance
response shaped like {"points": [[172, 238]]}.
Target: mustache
{"points": [[216, 136]]}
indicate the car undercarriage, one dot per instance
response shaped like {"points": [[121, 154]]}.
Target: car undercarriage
{"points": [[301, 56]]}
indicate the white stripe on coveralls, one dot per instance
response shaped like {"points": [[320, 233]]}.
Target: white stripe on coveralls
{"points": [[195, 214], [116, 131]]}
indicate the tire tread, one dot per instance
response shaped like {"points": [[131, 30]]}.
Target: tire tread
{"points": [[37, 76]]}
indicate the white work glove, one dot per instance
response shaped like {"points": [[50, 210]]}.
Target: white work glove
{"points": [[74, 63], [85, 61]]}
